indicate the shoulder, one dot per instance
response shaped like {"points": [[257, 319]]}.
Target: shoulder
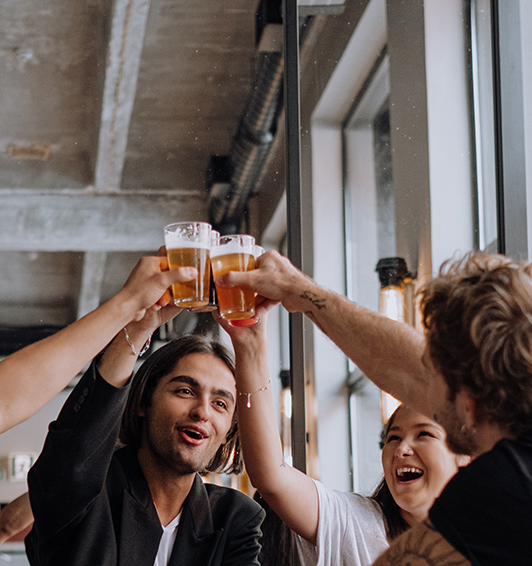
{"points": [[489, 480], [351, 516], [350, 529], [422, 545], [350, 502], [227, 502], [497, 487], [219, 495]]}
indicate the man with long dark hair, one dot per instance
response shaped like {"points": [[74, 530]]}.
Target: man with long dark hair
{"points": [[145, 503]]}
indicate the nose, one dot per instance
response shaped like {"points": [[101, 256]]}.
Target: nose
{"points": [[200, 411], [403, 449]]}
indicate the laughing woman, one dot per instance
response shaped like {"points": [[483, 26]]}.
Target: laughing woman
{"points": [[336, 528]]}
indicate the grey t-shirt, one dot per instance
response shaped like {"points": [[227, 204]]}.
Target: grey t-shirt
{"points": [[351, 531]]}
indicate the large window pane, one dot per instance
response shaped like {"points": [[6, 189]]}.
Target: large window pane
{"points": [[482, 65], [370, 235]]}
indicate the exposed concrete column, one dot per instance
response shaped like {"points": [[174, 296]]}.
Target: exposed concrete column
{"points": [[91, 282]]}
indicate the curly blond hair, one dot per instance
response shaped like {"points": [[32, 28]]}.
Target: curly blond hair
{"points": [[478, 319]]}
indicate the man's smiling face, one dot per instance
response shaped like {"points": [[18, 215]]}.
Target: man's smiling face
{"points": [[190, 414]]}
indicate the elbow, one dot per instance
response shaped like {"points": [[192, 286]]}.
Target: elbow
{"points": [[268, 483]]}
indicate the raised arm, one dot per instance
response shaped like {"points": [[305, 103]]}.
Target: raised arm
{"points": [[388, 352], [117, 363], [30, 377], [290, 493]]}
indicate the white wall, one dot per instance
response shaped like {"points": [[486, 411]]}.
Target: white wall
{"points": [[430, 132], [451, 203], [28, 437], [526, 54], [329, 362]]}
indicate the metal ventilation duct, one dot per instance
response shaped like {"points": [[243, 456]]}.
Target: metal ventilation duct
{"points": [[251, 144]]}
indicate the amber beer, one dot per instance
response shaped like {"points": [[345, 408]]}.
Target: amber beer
{"points": [[193, 293], [235, 253], [212, 305], [188, 245]]}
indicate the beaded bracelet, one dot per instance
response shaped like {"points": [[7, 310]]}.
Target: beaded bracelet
{"points": [[248, 395]]}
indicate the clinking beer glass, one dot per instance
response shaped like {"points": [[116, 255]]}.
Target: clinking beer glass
{"points": [[212, 305], [188, 244], [234, 253], [257, 251]]}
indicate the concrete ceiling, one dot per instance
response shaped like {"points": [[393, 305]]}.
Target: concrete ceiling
{"points": [[109, 113]]}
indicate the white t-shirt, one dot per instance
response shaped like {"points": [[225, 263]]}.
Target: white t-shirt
{"points": [[351, 531], [166, 544]]}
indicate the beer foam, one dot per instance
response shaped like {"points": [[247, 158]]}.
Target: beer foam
{"points": [[231, 248], [176, 241]]}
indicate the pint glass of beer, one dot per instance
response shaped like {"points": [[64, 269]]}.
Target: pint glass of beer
{"points": [[234, 253], [188, 244], [258, 251], [212, 305]]}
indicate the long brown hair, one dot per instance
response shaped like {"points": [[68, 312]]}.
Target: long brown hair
{"points": [[228, 458]]}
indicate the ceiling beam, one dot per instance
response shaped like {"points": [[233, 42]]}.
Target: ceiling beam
{"points": [[123, 61], [73, 220]]}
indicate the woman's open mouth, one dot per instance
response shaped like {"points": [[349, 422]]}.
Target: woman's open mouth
{"points": [[406, 474]]}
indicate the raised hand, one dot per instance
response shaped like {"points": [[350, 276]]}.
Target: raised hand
{"points": [[244, 333], [275, 278], [147, 286]]}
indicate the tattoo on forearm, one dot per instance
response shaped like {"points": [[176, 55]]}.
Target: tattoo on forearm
{"points": [[422, 546], [313, 298]]}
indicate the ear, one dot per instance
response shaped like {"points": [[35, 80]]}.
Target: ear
{"points": [[462, 460], [142, 412]]}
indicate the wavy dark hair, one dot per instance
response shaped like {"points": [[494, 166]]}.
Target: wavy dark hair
{"points": [[393, 520], [478, 319], [228, 458], [277, 547]]}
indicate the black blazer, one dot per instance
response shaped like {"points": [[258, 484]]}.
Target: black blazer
{"points": [[93, 507]]}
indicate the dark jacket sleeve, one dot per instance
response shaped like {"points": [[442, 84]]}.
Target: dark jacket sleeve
{"points": [[72, 467]]}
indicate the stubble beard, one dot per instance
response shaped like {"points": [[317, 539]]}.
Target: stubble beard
{"points": [[460, 439], [180, 460]]}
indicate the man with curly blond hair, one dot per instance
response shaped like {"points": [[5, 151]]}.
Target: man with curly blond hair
{"points": [[471, 371]]}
